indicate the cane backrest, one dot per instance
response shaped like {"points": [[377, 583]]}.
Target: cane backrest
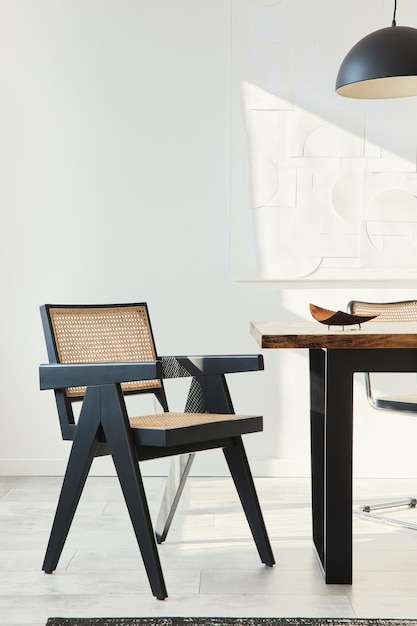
{"points": [[403, 311], [103, 334]]}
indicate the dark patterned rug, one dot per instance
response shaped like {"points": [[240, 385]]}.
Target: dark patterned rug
{"points": [[225, 621]]}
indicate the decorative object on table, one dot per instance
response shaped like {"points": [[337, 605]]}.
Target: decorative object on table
{"points": [[338, 318], [381, 65]]}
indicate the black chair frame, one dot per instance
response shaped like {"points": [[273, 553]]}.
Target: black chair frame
{"points": [[103, 428]]}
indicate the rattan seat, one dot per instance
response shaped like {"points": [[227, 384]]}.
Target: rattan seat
{"points": [[100, 354], [173, 429]]}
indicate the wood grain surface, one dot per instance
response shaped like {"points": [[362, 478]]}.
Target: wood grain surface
{"points": [[315, 335]]}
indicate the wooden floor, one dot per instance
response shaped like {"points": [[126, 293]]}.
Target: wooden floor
{"points": [[209, 560]]}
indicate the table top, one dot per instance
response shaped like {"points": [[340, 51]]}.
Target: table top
{"points": [[315, 335]]}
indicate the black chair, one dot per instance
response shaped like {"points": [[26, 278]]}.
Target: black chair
{"points": [[403, 311], [97, 356]]}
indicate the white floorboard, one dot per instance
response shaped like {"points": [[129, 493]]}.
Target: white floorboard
{"points": [[209, 560]]}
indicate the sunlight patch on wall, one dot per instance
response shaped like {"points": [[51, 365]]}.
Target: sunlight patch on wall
{"points": [[320, 189]]}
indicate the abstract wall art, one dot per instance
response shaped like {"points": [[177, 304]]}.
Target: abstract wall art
{"points": [[323, 187]]}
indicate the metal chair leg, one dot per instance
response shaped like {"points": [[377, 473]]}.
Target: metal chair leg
{"points": [[366, 511]]}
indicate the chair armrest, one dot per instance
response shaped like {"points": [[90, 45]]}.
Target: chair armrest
{"points": [[210, 365], [62, 375]]}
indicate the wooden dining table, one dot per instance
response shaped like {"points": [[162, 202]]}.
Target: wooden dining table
{"points": [[335, 355]]}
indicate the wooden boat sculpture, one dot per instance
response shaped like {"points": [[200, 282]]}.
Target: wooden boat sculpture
{"points": [[338, 318]]}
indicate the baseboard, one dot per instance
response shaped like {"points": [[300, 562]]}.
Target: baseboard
{"points": [[210, 463]]}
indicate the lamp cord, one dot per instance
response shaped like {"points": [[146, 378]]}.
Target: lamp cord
{"points": [[394, 23]]}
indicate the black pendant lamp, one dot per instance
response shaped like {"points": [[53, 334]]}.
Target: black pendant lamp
{"points": [[381, 65]]}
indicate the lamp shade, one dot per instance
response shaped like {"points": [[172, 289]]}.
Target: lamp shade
{"points": [[381, 65]]}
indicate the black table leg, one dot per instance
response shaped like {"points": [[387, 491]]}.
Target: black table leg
{"points": [[338, 437], [331, 419], [317, 404]]}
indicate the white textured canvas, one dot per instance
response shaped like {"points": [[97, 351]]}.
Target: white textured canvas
{"points": [[323, 187]]}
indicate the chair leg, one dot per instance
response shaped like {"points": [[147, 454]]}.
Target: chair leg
{"points": [[83, 450], [179, 468], [242, 477], [206, 394], [119, 439], [174, 486]]}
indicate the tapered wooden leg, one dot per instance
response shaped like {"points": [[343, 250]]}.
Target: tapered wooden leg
{"points": [[119, 439], [82, 453], [242, 477]]}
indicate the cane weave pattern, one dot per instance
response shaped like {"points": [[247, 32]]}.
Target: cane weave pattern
{"points": [[405, 311], [172, 368], [195, 399], [165, 421], [104, 335], [387, 311]]}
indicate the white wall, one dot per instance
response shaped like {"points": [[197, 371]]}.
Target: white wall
{"points": [[115, 178]]}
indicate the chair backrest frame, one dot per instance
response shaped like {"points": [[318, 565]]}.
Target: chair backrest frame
{"points": [[99, 333], [398, 311]]}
